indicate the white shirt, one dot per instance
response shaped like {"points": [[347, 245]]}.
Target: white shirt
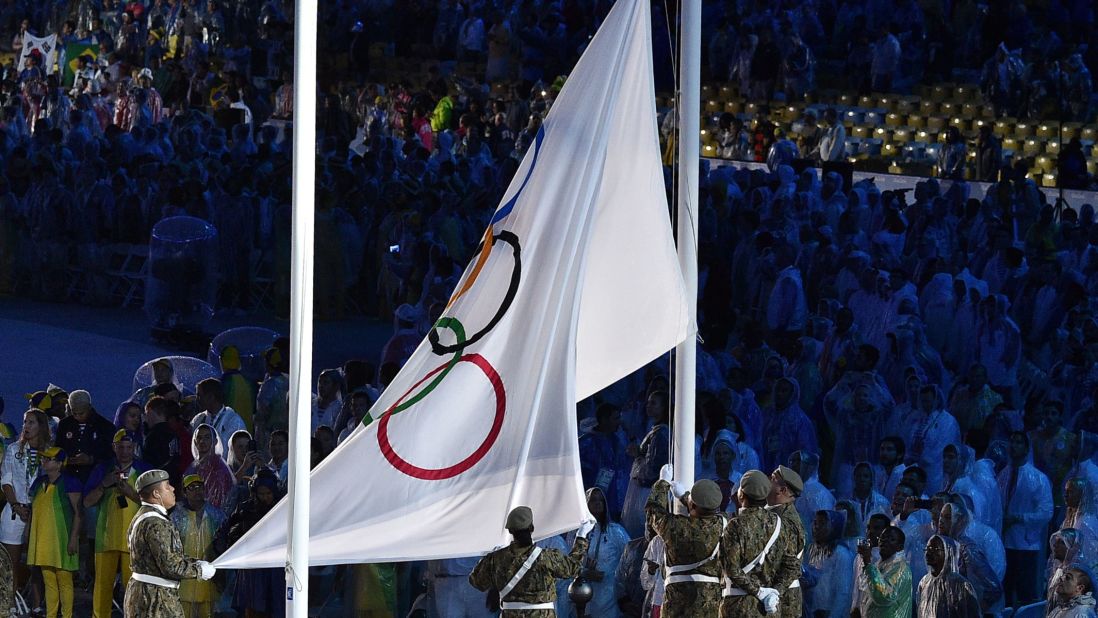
{"points": [[653, 582], [226, 422], [833, 143]]}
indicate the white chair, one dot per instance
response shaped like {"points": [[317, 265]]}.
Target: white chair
{"points": [[1035, 610]]}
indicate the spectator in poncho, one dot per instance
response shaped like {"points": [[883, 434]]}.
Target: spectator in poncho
{"points": [[944, 592], [1064, 550], [835, 564]]}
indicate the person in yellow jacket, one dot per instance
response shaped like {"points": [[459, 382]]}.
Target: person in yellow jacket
{"points": [[197, 522], [112, 488], [239, 391], [54, 539]]}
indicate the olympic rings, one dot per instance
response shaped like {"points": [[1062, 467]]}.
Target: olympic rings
{"points": [[459, 332], [512, 289], [438, 474], [510, 205]]}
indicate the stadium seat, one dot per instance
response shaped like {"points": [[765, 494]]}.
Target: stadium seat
{"points": [[893, 119], [928, 108], [916, 122], [935, 124], [1052, 147], [948, 109], [873, 118], [1031, 147], [1089, 133], [903, 135]]}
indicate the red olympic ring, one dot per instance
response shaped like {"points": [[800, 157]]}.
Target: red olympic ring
{"points": [[438, 474]]}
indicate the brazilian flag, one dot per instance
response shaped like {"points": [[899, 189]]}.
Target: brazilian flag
{"points": [[73, 51]]}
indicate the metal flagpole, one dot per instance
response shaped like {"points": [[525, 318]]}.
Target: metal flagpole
{"points": [[301, 310], [687, 230]]}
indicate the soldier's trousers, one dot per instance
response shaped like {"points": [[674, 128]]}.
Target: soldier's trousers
{"points": [[791, 605], [745, 606], [691, 600]]}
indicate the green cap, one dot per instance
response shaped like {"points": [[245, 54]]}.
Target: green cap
{"points": [[792, 479], [520, 518], [755, 485], [150, 478], [706, 495]]}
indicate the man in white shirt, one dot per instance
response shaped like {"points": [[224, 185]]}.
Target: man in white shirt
{"points": [[211, 399], [832, 146]]}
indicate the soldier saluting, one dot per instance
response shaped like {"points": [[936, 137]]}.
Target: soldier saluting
{"points": [[692, 575], [752, 553], [525, 575], [156, 554]]}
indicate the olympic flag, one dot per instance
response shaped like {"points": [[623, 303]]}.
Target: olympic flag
{"points": [[574, 286]]}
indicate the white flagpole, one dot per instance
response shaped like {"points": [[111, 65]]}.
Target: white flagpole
{"points": [[687, 231], [301, 309]]}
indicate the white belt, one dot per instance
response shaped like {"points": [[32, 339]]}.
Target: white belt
{"points": [[515, 606], [733, 592], [796, 584], [679, 579], [156, 581]]}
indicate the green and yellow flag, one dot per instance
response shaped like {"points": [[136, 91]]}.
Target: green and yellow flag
{"points": [[73, 51]]}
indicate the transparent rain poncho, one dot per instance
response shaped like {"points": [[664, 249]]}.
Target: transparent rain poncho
{"points": [[947, 594], [1084, 518]]}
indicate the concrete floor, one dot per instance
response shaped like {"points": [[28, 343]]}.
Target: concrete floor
{"points": [[100, 348]]}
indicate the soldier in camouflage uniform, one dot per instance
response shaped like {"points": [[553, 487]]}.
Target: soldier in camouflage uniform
{"points": [[785, 487], [692, 582], [533, 594], [156, 554], [752, 553], [7, 584]]}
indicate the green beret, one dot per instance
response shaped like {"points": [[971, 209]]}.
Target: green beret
{"points": [[150, 478], [706, 495], [792, 479], [520, 518], [755, 485]]}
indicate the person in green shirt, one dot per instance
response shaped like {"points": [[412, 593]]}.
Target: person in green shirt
{"points": [[444, 110], [886, 585]]}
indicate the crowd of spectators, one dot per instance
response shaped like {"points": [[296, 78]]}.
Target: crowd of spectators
{"points": [[923, 357]]}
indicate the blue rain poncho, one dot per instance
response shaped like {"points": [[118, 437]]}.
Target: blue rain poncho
{"points": [[834, 564], [1027, 495]]}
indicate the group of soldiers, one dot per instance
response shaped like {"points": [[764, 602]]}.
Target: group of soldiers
{"points": [[746, 565], [715, 565]]}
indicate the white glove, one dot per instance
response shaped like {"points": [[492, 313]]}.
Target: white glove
{"points": [[585, 528], [678, 489], [208, 570], [667, 473], [769, 597]]}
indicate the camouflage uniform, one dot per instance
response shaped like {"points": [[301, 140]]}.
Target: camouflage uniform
{"points": [[7, 584], [792, 540], [687, 540], [744, 539], [155, 549], [539, 585]]}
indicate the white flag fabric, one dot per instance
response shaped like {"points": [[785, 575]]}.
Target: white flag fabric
{"points": [[576, 286], [46, 45]]}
